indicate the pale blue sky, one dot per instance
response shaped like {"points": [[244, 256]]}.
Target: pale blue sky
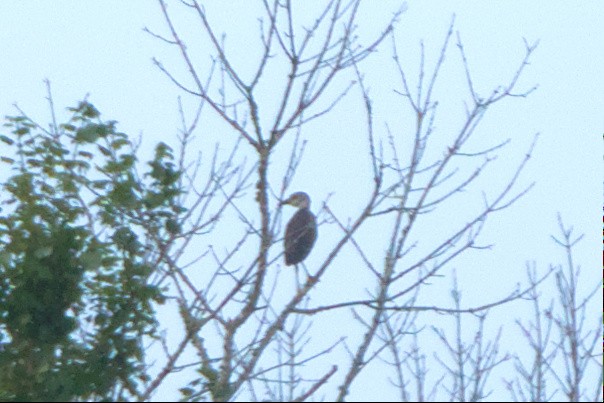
{"points": [[99, 47]]}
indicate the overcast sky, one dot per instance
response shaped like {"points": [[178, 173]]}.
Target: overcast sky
{"points": [[99, 48]]}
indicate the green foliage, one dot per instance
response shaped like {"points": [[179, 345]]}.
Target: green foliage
{"points": [[47, 275], [77, 224]]}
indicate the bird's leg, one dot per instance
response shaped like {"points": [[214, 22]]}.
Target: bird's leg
{"points": [[308, 276], [297, 278]]}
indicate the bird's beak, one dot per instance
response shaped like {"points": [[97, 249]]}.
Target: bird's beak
{"points": [[286, 201]]}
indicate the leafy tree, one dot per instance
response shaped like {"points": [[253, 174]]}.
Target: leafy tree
{"points": [[75, 291]]}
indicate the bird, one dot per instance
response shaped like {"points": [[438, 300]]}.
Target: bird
{"points": [[301, 230]]}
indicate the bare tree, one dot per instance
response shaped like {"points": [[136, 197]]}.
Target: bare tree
{"points": [[561, 337], [238, 304]]}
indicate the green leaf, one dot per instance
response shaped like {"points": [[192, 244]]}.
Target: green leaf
{"points": [[5, 258], [68, 127], [6, 140], [100, 184], [119, 143], [92, 260], [172, 226], [88, 110], [43, 252], [186, 392], [22, 131], [90, 133], [34, 162], [104, 151]]}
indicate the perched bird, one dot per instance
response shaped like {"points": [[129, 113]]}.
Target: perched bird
{"points": [[301, 231]]}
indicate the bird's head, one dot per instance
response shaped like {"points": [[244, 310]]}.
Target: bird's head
{"points": [[298, 199]]}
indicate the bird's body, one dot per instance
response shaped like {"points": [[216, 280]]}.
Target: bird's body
{"points": [[301, 230], [300, 236]]}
